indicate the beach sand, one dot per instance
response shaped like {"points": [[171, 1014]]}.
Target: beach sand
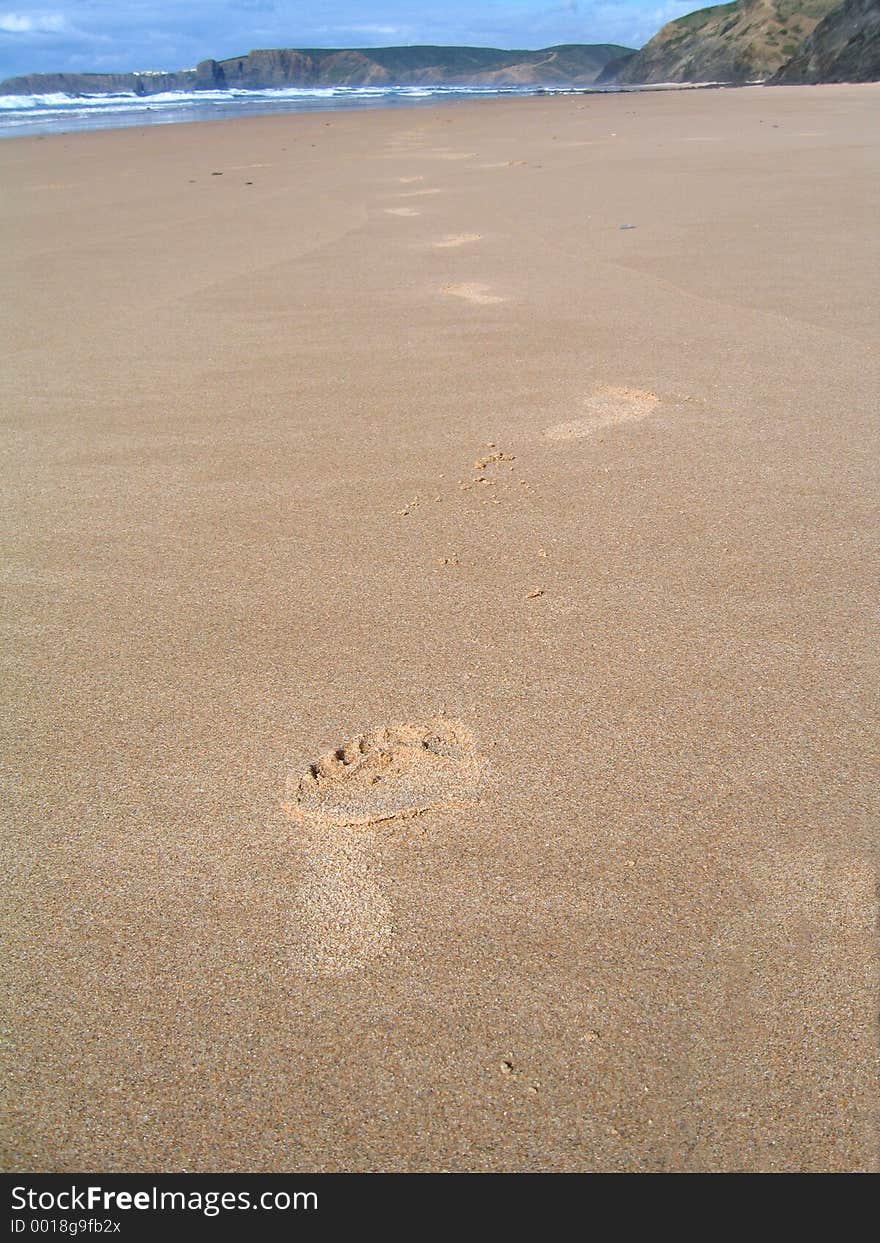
{"points": [[440, 638]]}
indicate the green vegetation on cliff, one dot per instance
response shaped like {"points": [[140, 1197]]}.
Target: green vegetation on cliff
{"points": [[844, 47]]}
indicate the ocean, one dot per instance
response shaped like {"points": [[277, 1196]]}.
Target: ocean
{"points": [[58, 114]]}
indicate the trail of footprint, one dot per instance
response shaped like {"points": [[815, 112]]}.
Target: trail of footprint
{"points": [[472, 291], [456, 239], [392, 773], [606, 407]]}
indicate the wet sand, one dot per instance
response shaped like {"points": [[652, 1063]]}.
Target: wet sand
{"points": [[440, 648]]}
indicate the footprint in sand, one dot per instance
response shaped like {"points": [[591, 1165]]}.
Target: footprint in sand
{"points": [[402, 211], [455, 239], [403, 770], [606, 407], [473, 292], [391, 773], [416, 194], [405, 181]]}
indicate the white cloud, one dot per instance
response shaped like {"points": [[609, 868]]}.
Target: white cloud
{"points": [[373, 30], [14, 24]]}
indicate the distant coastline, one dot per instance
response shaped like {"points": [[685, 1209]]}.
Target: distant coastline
{"points": [[573, 64]]}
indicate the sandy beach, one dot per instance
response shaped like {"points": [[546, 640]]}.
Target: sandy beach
{"points": [[441, 649]]}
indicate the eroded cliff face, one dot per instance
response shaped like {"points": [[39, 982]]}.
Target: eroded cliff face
{"points": [[97, 83], [844, 47], [569, 65], [273, 67], [745, 41]]}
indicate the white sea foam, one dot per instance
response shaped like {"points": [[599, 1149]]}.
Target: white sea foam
{"points": [[59, 112]]}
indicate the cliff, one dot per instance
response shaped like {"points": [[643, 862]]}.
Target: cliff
{"points": [[96, 83], [844, 47], [746, 41]]}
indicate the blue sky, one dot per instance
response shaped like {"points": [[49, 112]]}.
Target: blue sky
{"points": [[174, 34]]}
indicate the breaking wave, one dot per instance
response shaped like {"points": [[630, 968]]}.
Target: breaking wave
{"points": [[58, 113]]}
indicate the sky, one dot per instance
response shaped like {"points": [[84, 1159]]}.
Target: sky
{"points": [[124, 35]]}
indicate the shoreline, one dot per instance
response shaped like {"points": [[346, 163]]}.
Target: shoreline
{"points": [[267, 107]]}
